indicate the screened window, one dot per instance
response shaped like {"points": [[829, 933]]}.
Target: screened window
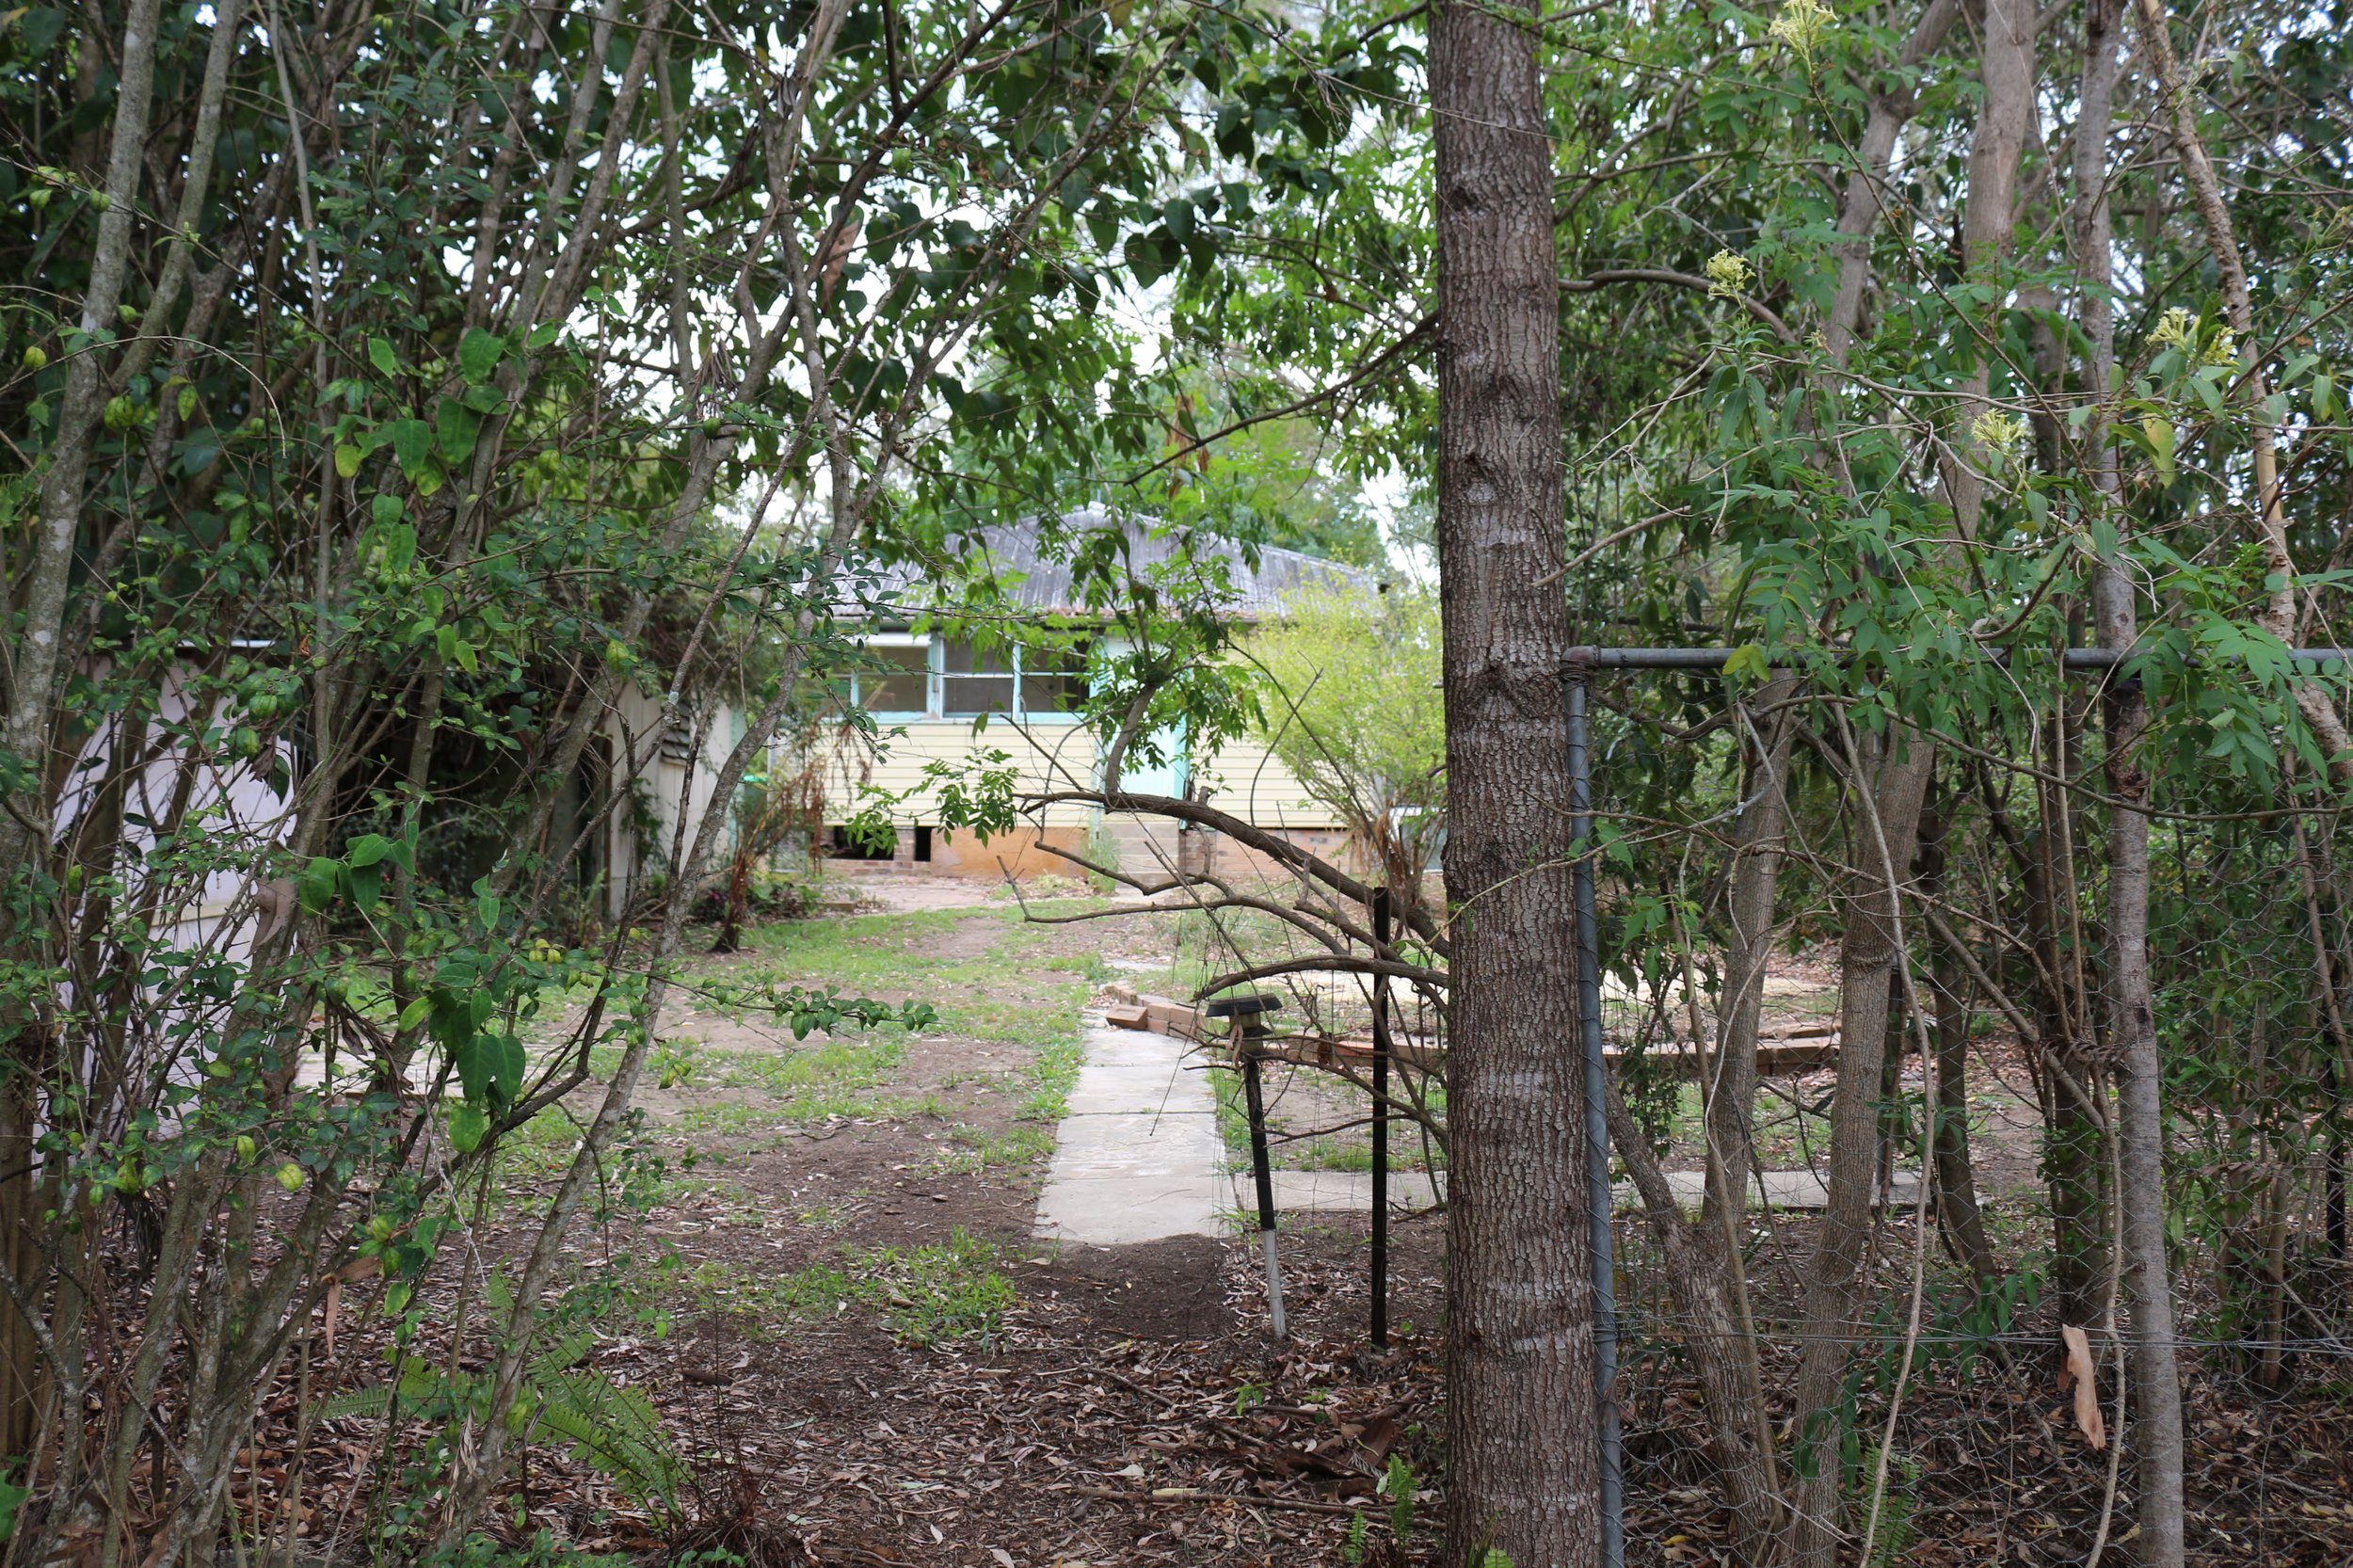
{"points": [[902, 684], [974, 682], [1053, 680]]}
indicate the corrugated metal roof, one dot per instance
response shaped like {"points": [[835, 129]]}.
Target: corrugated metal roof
{"points": [[1033, 565]]}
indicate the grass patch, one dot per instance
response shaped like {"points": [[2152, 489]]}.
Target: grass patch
{"points": [[976, 1149], [861, 1062], [991, 975], [944, 1293]]}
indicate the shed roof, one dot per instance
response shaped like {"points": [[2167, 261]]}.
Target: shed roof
{"points": [[1032, 563]]}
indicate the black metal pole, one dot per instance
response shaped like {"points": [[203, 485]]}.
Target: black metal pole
{"points": [[1380, 1130], [1596, 1129], [1264, 1174]]}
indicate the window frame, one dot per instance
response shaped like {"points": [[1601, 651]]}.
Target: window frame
{"points": [[931, 675], [935, 682], [1021, 693]]}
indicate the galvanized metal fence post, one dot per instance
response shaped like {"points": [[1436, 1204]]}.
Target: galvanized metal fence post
{"points": [[1596, 1126], [1380, 1129]]}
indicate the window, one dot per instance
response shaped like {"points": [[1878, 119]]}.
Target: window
{"points": [[902, 684], [1053, 680], [974, 682], [897, 669]]}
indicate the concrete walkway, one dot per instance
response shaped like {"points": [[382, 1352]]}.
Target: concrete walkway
{"points": [[1335, 1192], [1351, 1192], [1137, 1156], [1138, 1159]]}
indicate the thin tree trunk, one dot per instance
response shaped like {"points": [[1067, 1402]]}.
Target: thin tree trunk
{"points": [[1957, 1213], [2085, 1266], [1755, 882], [2131, 1006], [1721, 1344], [40, 640], [1867, 950], [1525, 1474], [1863, 207], [2072, 1158], [1898, 782], [2141, 1120], [2280, 617]]}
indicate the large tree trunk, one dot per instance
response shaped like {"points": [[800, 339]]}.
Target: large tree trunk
{"points": [[1519, 1359]]}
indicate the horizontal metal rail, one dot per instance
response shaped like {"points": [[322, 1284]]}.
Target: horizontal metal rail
{"points": [[1714, 658]]}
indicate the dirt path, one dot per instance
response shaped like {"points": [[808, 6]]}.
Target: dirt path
{"points": [[819, 1263]]}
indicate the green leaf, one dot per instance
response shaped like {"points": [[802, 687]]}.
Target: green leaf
{"points": [[414, 1014], [468, 1125], [545, 333], [478, 354], [456, 426], [367, 886], [367, 849], [380, 356], [1145, 262], [346, 461], [317, 887], [510, 1068], [400, 544], [470, 1057], [455, 648], [412, 443], [2160, 432], [187, 403]]}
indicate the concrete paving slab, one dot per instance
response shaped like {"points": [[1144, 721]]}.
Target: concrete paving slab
{"points": [[1345, 1192], [1798, 1190], [1138, 1157], [1351, 1192]]}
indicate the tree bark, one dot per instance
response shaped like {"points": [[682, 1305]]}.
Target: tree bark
{"points": [[1720, 1342], [1755, 882], [38, 643], [1957, 1213], [1898, 781], [1867, 948], [1520, 1408], [2156, 1429], [1865, 205]]}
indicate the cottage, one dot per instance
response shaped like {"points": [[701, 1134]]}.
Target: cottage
{"points": [[940, 699]]}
